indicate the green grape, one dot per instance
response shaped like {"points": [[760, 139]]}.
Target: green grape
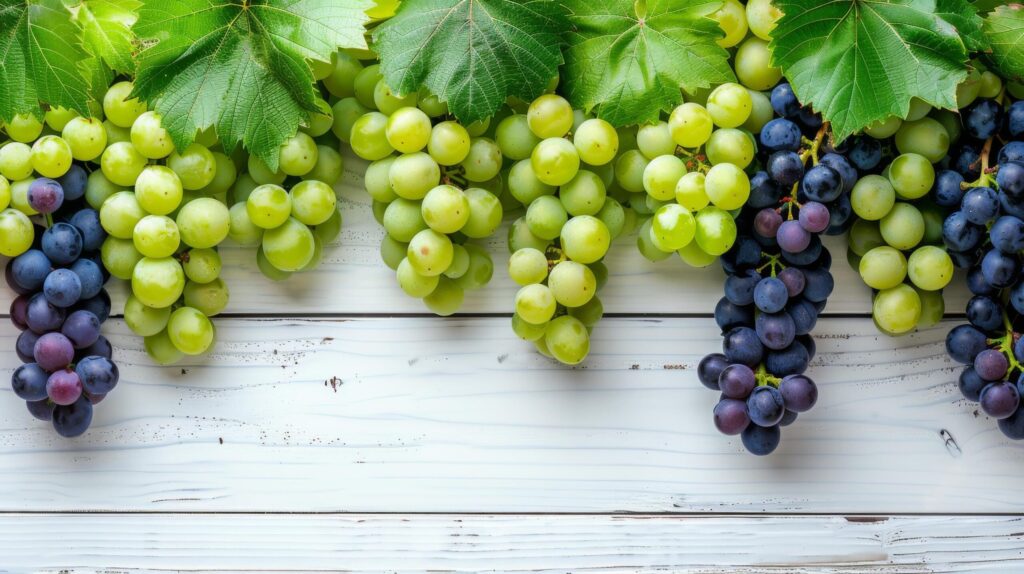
{"points": [[716, 230], [865, 236], [224, 175], [925, 137], [290, 246], [241, 229], [514, 137], [158, 282], [269, 206], [368, 139], [414, 284], [546, 216], [377, 182], [460, 263], [298, 155], [445, 209], [596, 141], [120, 213], [51, 156], [19, 196], [903, 227], [897, 310], [480, 271], [852, 259], [5, 193], [760, 114], [122, 164], [584, 194], [523, 184], [408, 130], [208, 298], [156, 236], [918, 109], [24, 128], [753, 67], [991, 85], [555, 161], [690, 125], [449, 143], [196, 167], [345, 112], [208, 138], [872, 197], [762, 16], [364, 85], [403, 219], [727, 186], [190, 331], [318, 254], [477, 129], [412, 175], [319, 123], [119, 108], [550, 116], [542, 346], [446, 298], [951, 121], [243, 188], [431, 104], [98, 188], [484, 160], [341, 80], [527, 331], [261, 174], [528, 266], [884, 128], [329, 230], [672, 227], [969, 89], [392, 252], [143, 320], [201, 265], [930, 268], [535, 304], [203, 222], [933, 307], [15, 161], [149, 136], [388, 102], [655, 140], [934, 218], [732, 19], [694, 256], [645, 245], [329, 166], [119, 256], [158, 190], [58, 116], [731, 146], [585, 239], [572, 283], [614, 217], [629, 171], [590, 313], [567, 340], [520, 237], [430, 253], [16, 233], [640, 204], [160, 348], [267, 268], [883, 267], [313, 202], [729, 105], [691, 191], [661, 176]]}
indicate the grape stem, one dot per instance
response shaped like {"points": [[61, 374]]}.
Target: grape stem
{"points": [[49, 220], [809, 153], [1005, 344], [773, 262], [985, 179], [764, 378]]}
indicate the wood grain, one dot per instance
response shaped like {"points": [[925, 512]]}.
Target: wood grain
{"points": [[535, 544], [353, 280], [432, 415]]}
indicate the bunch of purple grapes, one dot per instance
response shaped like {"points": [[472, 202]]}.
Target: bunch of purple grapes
{"points": [[60, 307], [778, 279]]}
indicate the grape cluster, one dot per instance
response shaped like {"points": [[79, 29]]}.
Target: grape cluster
{"points": [[60, 307]]}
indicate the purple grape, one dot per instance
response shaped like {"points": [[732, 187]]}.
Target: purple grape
{"points": [[736, 381], [19, 312], [766, 406], [793, 279], [761, 440], [710, 369], [42, 410], [74, 419], [95, 399], [25, 346], [99, 375], [792, 236], [54, 351], [799, 392], [814, 217], [41, 316], [82, 328], [731, 416], [788, 418], [741, 345], [29, 382], [45, 195], [64, 387], [9, 278], [999, 400], [767, 222], [776, 330], [991, 365], [971, 384], [101, 348], [74, 182]]}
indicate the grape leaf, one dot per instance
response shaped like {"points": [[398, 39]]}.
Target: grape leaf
{"points": [[472, 54], [986, 6], [107, 30], [861, 61], [40, 52], [964, 17], [1005, 30], [240, 65], [628, 60]]}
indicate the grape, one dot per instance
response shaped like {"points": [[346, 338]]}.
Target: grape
{"points": [[736, 381], [45, 195], [412, 175], [190, 331], [120, 257], [792, 237], [567, 339], [535, 304], [528, 266], [765, 406], [82, 328], [64, 387], [585, 239], [924, 136], [883, 267], [572, 284], [446, 298], [29, 382], [73, 183], [991, 365], [23, 128], [930, 268], [480, 271], [30, 269], [729, 104], [484, 160], [762, 17], [209, 298], [786, 168], [53, 351], [912, 175], [730, 146], [873, 197], [753, 65], [662, 175], [691, 191], [550, 116], [298, 155], [514, 137], [903, 226], [814, 217], [119, 107], [346, 111], [449, 143], [780, 134], [160, 348], [203, 222], [62, 243], [62, 288], [585, 193], [596, 141], [158, 190], [821, 183], [897, 310], [290, 246], [799, 393], [672, 228], [158, 282], [328, 168], [149, 136], [654, 140], [156, 236], [691, 125], [727, 187], [313, 202], [144, 320], [99, 375], [716, 231], [99, 188], [122, 164], [730, 416], [731, 18], [15, 161], [196, 168], [403, 219], [460, 263], [485, 213], [368, 137], [430, 253], [51, 156]]}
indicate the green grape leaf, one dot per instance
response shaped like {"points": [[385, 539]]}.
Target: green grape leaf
{"points": [[241, 66], [964, 17], [1005, 30], [107, 31], [40, 52], [861, 61], [627, 59], [986, 6], [472, 54]]}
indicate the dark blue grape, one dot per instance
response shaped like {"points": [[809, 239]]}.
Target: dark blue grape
{"points": [[792, 360], [745, 254], [729, 315], [760, 440], [99, 375], [1007, 234], [1010, 179], [809, 119], [29, 382], [87, 222], [1013, 425], [90, 276], [947, 191], [764, 192], [74, 419], [819, 285], [9, 278], [98, 305], [970, 384], [776, 330], [82, 328], [983, 119], [739, 288], [73, 182], [980, 205], [845, 169], [101, 348], [708, 370], [29, 270], [786, 168], [788, 418], [780, 134], [841, 218], [62, 243], [25, 346], [804, 315], [968, 162], [784, 101], [1013, 151], [770, 295], [964, 342], [1000, 270], [865, 153], [62, 287], [42, 410], [811, 254], [963, 259], [985, 313], [41, 316], [741, 345], [793, 279], [766, 406], [959, 234], [821, 183], [1016, 297]]}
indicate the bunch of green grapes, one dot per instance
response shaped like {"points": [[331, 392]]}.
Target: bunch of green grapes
{"points": [[432, 182]]}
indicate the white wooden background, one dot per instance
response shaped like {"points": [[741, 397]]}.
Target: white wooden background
{"points": [[338, 427]]}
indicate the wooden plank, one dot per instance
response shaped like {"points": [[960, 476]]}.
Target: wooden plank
{"points": [[432, 415], [353, 280], [534, 544]]}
